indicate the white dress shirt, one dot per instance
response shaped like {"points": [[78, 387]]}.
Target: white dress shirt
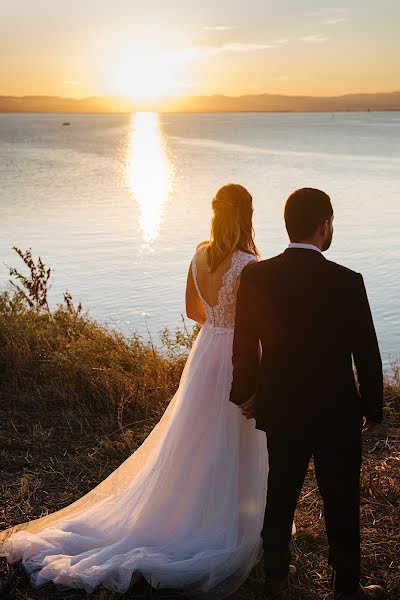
{"points": [[306, 246]]}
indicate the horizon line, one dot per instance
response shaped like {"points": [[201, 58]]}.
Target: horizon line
{"points": [[214, 95]]}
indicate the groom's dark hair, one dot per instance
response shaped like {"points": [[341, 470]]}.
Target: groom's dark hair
{"points": [[305, 210]]}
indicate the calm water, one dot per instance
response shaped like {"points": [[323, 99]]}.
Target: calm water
{"points": [[117, 203]]}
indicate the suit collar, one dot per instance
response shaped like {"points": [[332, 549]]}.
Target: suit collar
{"points": [[305, 246], [304, 252]]}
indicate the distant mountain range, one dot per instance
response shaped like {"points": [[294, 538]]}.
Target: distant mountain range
{"points": [[216, 103]]}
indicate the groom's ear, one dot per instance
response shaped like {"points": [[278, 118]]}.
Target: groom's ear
{"points": [[326, 227]]}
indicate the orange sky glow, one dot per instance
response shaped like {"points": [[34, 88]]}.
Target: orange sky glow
{"points": [[158, 50]]}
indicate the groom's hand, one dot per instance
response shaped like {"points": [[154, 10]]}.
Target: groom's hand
{"points": [[369, 425], [248, 408]]}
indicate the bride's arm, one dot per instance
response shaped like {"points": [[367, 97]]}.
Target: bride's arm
{"points": [[246, 343], [194, 306]]}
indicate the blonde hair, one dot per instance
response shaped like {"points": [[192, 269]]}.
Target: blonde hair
{"points": [[231, 225]]}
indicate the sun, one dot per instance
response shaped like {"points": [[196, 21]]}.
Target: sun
{"points": [[145, 75]]}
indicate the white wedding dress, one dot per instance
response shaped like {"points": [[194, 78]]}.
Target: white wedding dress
{"points": [[186, 510]]}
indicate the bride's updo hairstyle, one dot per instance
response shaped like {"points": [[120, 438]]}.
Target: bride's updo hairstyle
{"points": [[231, 225]]}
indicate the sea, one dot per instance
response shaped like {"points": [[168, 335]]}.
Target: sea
{"points": [[115, 204]]}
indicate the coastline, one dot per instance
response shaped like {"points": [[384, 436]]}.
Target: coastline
{"points": [[354, 102]]}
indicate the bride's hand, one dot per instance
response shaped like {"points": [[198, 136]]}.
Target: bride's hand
{"points": [[248, 408]]}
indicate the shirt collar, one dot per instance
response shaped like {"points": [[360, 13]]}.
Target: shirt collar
{"points": [[305, 246]]}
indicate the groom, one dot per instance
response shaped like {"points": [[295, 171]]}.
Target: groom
{"points": [[312, 318]]}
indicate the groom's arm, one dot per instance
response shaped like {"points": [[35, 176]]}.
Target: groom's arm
{"points": [[245, 356], [366, 355]]}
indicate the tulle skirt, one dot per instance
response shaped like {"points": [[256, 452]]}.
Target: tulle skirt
{"points": [[184, 511]]}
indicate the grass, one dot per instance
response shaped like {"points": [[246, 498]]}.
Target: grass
{"points": [[76, 399]]}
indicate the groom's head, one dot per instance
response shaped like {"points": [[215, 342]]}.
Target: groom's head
{"points": [[309, 217]]}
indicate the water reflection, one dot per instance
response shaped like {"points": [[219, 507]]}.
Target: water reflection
{"points": [[149, 172]]}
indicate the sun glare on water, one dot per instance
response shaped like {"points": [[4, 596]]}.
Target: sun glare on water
{"points": [[149, 172]]}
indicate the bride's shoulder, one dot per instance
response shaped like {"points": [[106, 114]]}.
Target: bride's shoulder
{"points": [[246, 257], [201, 248], [202, 245]]}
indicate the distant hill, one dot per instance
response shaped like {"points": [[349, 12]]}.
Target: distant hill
{"points": [[216, 103]]}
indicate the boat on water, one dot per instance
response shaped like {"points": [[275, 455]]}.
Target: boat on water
{"points": [[66, 123]]}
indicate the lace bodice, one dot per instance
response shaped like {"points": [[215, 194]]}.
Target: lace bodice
{"points": [[221, 317]]}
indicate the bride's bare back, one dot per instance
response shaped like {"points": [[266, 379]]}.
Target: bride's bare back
{"points": [[208, 290], [210, 282]]}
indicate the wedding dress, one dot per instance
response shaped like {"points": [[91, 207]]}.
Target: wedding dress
{"points": [[186, 509]]}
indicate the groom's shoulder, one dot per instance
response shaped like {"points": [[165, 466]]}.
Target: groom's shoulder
{"points": [[256, 268], [276, 263], [341, 271]]}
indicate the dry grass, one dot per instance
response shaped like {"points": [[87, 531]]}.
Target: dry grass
{"points": [[77, 399]]}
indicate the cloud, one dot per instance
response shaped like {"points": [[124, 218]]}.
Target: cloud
{"points": [[244, 47], [71, 82], [206, 51], [335, 21], [329, 12], [331, 16], [316, 38], [233, 47], [220, 27]]}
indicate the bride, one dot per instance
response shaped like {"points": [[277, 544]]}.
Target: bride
{"points": [[185, 511]]}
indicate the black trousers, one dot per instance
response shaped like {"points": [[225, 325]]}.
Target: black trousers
{"points": [[337, 458]]}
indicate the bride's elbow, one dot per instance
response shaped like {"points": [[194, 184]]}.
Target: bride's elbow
{"points": [[191, 315], [194, 316], [189, 310]]}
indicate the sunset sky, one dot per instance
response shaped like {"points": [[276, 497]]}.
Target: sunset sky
{"points": [[150, 49]]}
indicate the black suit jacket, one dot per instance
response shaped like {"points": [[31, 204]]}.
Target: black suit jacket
{"points": [[312, 317]]}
